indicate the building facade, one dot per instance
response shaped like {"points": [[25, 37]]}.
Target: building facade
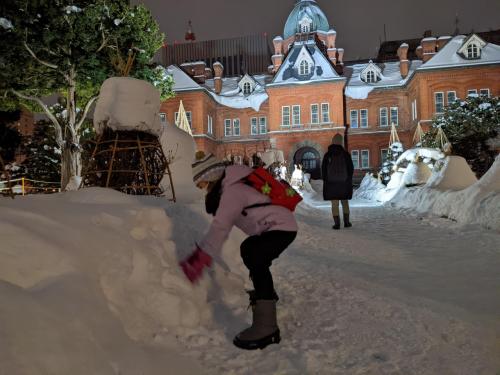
{"points": [[309, 95]]}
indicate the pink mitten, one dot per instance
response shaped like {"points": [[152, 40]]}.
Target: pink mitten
{"points": [[193, 265]]}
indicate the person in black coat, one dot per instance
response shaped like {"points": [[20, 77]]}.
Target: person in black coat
{"points": [[337, 170]]}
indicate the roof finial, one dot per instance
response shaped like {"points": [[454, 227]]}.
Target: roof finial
{"points": [[189, 33], [456, 32]]}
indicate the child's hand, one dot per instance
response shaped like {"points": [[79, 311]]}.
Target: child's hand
{"points": [[193, 265]]}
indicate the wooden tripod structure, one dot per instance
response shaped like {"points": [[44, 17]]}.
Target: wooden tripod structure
{"points": [[128, 161]]}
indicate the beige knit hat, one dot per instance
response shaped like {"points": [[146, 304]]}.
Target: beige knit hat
{"points": [[207, 168]]}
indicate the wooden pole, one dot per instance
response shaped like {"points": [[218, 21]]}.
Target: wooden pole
{"points": [[111, 162], [171, 182], [143, 162]]}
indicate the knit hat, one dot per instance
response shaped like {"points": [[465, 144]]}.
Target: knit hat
{"points": [[207, 168]]}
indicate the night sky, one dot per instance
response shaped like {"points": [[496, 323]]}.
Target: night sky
{"points": [[359, 23]]}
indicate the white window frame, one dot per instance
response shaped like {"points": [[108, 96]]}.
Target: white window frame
{"points": [[315, 114], [263, 125], [228, 129], [367, 153], [325, 110], [371, 77], [361, 111], [355, 158], [481, 92], [439, 104], [351, 117], [396, 111], [285, 117], [386, 117], [210, 120], [473, 51], [304, 68], [305, 28], [254, 129], [236, 127], [163, 117], [295, 116], [471, 91], [448, 101], [247, 88]]}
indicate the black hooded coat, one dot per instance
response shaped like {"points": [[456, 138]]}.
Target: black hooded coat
{"points": [[336, 171]]}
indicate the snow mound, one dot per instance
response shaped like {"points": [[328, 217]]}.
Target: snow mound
{"points": [[453, 174], [92, 285], [128, 104], [416, 173], [423, 152], [396, 180], [179, 148]]}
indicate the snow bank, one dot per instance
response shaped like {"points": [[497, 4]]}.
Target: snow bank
{"points": [[179, 148], [423, 152], [128, 104], [92, 278], [453, 174], [416, 173]]}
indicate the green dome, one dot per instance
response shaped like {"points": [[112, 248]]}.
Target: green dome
{"points": [[309, 9]]}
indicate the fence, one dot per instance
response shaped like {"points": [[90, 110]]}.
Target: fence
{"points": [[23, 186]]}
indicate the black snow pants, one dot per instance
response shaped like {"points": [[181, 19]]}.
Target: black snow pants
{"points": [[258, 252]]}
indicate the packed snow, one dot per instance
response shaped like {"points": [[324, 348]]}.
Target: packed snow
{"points": [[90, 284], [127, 103]]}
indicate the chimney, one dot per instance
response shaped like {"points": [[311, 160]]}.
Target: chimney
{"points": [[332, 55], [277, 58], [441, 42], [419, 52], [429, 48], [330, 38], [404, 64], [341, 56], [218, 70]]}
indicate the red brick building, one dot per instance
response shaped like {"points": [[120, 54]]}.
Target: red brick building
{"points": [[309, 95]]}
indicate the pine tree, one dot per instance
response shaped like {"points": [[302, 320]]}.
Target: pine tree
{"points": [[470, 125]]}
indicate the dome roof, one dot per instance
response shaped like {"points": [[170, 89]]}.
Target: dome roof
{"points": [[309, 9]]}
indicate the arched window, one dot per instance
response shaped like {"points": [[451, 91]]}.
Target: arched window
{"points": [[305, 28], [247, 88], [309, 160], [370, 77], [473, 51], [304, 68]]}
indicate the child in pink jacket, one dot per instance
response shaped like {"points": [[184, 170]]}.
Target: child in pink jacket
{"points": [[271, 229]]}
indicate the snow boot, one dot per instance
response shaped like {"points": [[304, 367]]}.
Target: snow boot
{"points": [[347, 223], [252, 296], [336, 219], [264, 330]]}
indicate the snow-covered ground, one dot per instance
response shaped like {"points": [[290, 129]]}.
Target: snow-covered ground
{"points": [[89, 284]]}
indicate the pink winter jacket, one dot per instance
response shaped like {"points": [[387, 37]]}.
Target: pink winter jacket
{"points": [[236, 195]]}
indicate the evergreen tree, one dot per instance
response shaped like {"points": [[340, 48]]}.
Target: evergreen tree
{"points": [[70, 47], [470, 125], [393, 153]]}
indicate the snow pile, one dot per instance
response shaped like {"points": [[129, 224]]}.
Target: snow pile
{"points": [[128, 104], [452, 174], [179, 149], [372, 189], [416, 173], [92, 283], [427, 154]]}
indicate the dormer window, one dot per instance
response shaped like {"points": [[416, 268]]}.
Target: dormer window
{"points": [[371, 74], [473, 51], [370, 77], [247, 88], [304, 68], [471, 47], [305, 25]]}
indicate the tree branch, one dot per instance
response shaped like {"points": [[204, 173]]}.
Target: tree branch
{"points": [[53, 66], [50, 115], [85, 112]]}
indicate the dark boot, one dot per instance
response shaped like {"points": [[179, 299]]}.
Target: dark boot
{"points": [[347, 223], [264, 329], [336, 219]]}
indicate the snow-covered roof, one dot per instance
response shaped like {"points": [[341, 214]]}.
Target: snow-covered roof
{"points": [[321, 71], [448, 56], [305, 9], [182, 81], [390, 76], [232, 95]]}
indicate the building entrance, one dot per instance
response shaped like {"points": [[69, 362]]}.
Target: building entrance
{"points": [[309, 158]]}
